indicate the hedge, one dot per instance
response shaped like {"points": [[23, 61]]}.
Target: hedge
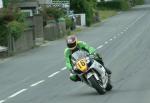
{"points": [[138, 2], [52, 13], [115, 5], [84, 6], [11, 23]]}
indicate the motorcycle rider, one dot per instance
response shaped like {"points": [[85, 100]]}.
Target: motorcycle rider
{"points": [[73, 45]]}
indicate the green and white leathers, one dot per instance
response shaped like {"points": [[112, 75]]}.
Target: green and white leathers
{"points": [[80, 45]]}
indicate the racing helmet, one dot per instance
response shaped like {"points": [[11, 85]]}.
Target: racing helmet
{"points": [[71, 42]]}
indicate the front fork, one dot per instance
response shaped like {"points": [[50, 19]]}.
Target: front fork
{"points": [[84, 77], [102, 80]]}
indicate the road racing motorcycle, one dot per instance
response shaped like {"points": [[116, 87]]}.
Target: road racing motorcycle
{"points": [[90, 71]]}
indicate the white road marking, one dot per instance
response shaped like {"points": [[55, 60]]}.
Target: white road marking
{"points": [[53, 74], [106, 42], [99, 46], [127, 28], [124, 30], [23, 90], [17, 93], [35, 84], [137, 19], [115, 37], [110, 39], [64, 68], [121, 32], [118, 34], [2, 101]]}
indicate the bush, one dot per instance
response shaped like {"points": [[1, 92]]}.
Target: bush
{"points": [[5, 3], [109, 5], [138, 2], [84, 6], [3, 35], [125, 5], [115, 5], [11, 23], [15, 28], [52, 13], [69, 23]]}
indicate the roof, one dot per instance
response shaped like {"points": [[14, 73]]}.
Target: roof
{"points": [[28, 4], [41, 2]]}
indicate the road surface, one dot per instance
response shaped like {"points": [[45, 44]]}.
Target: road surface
{"points": [[39, 76]]}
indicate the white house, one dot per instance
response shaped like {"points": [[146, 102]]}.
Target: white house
{"points": [[45, 2], [56, 3], [2, 48], [1, 4]]}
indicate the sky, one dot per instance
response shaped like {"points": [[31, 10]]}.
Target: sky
{"points": [[1, 4]]}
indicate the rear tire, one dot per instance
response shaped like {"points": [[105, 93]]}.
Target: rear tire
{"points": [[96, 85]]}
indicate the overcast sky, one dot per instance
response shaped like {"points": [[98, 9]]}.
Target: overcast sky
{"points": [[1, 4]]}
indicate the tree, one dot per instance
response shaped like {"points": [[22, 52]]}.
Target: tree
{"points": [[53, 12], [84, 6], [11, 23], [6, 3]]}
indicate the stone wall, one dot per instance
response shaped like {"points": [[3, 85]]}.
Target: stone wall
{"points": [[38, 25], [54, 30], [35, 30], [25, 42]]}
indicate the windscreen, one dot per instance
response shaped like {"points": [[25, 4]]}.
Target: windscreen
{"points": [[79, 55]]}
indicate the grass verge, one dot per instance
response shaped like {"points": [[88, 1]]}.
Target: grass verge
{"points": [[104, 14]]}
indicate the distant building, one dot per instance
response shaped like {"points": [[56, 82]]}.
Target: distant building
{"points": [[1, 4], [29, 7], [55, 3], [44, 2]]}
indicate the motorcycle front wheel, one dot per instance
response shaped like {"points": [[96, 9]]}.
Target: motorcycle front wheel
{"points": [[95, 84], [109, 87]]}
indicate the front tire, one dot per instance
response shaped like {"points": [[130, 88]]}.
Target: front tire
{"points": [[96, 85], [109, 87]]}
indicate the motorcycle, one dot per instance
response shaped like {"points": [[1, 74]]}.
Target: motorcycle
{"points": [[90, 71]]}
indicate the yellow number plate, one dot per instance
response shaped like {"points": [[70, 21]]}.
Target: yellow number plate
{"points": [[82, 65]]}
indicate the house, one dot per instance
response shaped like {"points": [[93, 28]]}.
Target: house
{"points": [[55, 3], [2, 48], [1, 4], [44, 2], [3, 51], [29, 7]]}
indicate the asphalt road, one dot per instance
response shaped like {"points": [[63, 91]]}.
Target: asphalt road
{"points": [[38, 76], [147, 1]]}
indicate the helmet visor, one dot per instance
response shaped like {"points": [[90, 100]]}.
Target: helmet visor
{"points": [[71, 45]]}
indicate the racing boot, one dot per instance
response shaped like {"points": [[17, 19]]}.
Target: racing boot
{"points": [[74, 77]]}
